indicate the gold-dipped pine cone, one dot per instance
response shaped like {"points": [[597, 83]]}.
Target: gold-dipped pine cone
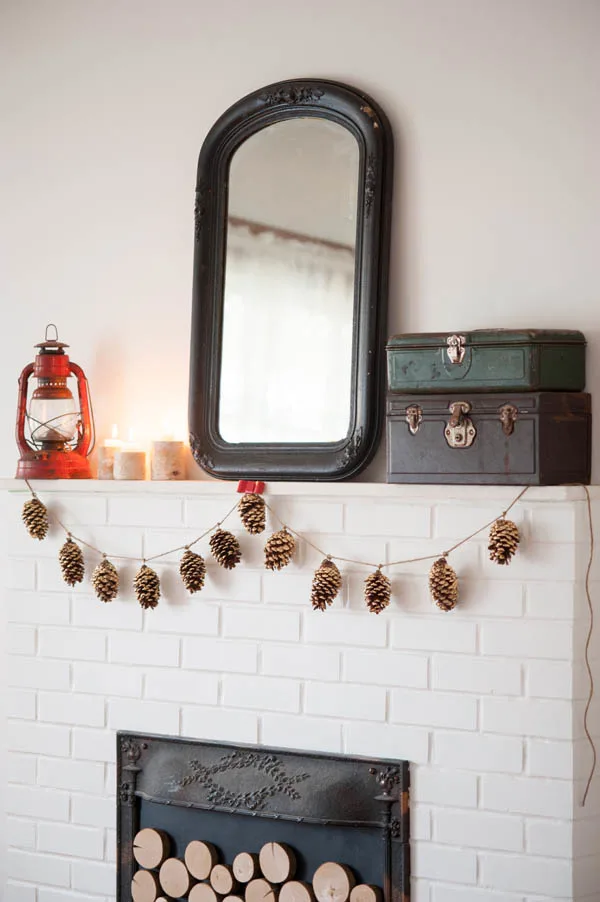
{"points": [[443, 584], [252, 513], [279, 549], [378, 591], [35, 518], [146, 585], [326, 584], [70, 558], [105, 580], [192, 570], [504, 541], [225, 548]]}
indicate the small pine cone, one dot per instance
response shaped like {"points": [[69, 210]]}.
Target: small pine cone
{"points": [[71, 562], [252, 513], [279, 549], [147, 587], [35, 518], [105, 581], [327, 582], [443, 584], [192, 570], [504, 541], [378, 591], [225, 548]]}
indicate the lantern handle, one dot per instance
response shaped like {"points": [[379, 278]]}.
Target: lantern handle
{"points": [[87, 432], [51, 326], [22, 409]]}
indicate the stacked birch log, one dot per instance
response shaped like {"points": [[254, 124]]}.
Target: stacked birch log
{"points": [[266, 877]]}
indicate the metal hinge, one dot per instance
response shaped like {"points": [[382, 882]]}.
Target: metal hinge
{"points": [[456, 348]]}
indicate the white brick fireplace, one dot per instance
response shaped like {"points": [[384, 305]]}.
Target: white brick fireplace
{"points": [[486, 702]]}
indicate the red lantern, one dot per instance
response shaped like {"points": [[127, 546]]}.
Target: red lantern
{"points": [[54, 433]]}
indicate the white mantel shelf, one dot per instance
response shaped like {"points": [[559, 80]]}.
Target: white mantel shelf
{"points": [[213, 487]]}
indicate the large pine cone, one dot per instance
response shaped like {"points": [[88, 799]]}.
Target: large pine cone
{"points": [[279, 549], [147, 587], [326, 584], [71, 562], [504, 541], [252, 513], [443, 584], [105, 581], [35, 518], [225, 548], [378, 591], [192, 570]]}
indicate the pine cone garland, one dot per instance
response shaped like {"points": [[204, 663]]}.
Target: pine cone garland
{"points": [[192, 570], [326, 584], [146, 585], [35, 518], [105, 581], [71, 562], [504, 541], [378, 591], [443, 584], [225, 548], [279, 549], [252, 513]]}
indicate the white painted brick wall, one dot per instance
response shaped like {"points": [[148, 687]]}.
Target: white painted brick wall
{"points": [[481, 701]]}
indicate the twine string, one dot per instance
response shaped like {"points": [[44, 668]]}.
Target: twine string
{"points": [[586, 653]]}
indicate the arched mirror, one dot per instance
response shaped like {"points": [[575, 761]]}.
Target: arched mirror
{"points": [[290, 278]]}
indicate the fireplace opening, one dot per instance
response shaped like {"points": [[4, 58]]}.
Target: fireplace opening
{"points": [[347, 811]]}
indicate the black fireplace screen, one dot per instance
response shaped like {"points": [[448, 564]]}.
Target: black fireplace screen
{"points": [[335, 808]]}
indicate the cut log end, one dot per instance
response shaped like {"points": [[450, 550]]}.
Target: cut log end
{"points": [[296, 891], [175, 878], [277, 862], [222, 880], [151, 847], [366, 892], [245, 867], [260, 890], [144, 887], [333, 882], [200, 859], [203, 892]]}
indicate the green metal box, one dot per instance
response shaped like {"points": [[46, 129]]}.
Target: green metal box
{"points": [[487, 360]]}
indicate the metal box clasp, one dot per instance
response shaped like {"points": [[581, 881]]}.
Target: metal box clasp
{"points": [[456, 348], [414, 416], [508, 415], [460, 431]]}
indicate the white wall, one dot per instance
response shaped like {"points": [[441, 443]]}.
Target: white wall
{"points": [[485, 702], [104, 106]]}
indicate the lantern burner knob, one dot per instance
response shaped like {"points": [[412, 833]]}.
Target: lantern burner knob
{"points": [[51, 345]]}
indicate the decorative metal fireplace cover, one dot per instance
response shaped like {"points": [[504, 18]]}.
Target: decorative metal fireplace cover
{"points": [[328, 807]]}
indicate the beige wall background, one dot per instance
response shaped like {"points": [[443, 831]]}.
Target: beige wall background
{"points": [[103, 109]]}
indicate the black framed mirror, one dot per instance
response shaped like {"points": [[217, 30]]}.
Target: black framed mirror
{"points": [[292, 222]]}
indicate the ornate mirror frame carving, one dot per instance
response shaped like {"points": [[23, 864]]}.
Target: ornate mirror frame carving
{"points": [[365, 120]]}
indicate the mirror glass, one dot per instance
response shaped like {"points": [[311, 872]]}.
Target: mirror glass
{"points": [[288, 307]]}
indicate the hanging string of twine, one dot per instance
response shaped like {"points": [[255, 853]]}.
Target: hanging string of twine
{"points": [[299, 535], [379, 566], [586, 654]]}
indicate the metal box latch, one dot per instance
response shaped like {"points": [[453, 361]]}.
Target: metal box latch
{"points": [[460, 431], [456, 348], [414, 415], [508, 415]]}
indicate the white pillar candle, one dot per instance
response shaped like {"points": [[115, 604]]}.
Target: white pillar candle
{"points": [[168, 460], [106, 455], [129, 464]]}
